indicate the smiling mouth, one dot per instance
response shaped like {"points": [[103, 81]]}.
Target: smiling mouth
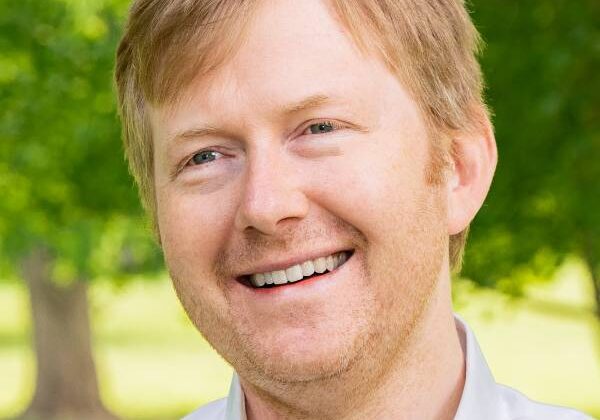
{"points": [[297, 273]]}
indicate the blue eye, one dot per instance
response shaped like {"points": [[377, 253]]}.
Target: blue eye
{"points": [[321, 127], [204, 156]]}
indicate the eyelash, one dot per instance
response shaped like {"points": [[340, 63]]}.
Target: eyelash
{"points": [[189, 161], [333, 124]]}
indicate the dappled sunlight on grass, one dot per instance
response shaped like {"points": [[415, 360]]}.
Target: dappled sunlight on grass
{"points": [[152, 361], [544, 345], [16, 380], [16, 358], [142, 381]]}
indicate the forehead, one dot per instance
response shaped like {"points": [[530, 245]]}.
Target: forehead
{"points": [[291, 50]]}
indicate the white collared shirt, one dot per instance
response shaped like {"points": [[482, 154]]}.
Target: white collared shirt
{"points": [[482, 397]]}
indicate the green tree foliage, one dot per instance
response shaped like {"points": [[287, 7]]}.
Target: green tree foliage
{"points": [[63, 180], [69, 211], [541, 64]]}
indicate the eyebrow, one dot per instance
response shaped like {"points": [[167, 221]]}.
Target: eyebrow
{"points": [[194, 133], [313, 101]]}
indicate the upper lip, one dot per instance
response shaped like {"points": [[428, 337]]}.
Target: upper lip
{"points": [[288, 262]]}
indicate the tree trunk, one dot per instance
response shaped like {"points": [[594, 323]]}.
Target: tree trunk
{"points": [[596, 281], [591, 257], [66, 386]]}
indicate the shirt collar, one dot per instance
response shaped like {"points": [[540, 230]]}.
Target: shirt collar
{"points": [[236, 407], [479, 398]]}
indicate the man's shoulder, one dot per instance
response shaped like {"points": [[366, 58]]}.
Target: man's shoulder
{"points": [[211, 411], [521, 407]]}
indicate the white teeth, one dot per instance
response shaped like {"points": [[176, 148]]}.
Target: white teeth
{"points": [[308, 269], [279, 277], [294, 273], [298, 271], [330, 263], [268, 278], [258, 280], [320, 265]]}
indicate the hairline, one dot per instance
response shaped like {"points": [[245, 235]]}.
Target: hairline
{"points": [[436, 124]]}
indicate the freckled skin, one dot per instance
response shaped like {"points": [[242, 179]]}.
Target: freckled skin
{"points": [[273, 192]]}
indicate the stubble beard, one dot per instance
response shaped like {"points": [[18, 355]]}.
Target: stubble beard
{"points": [[390, 320]]}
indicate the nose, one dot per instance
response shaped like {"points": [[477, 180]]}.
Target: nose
{"points": [[272, 194]]}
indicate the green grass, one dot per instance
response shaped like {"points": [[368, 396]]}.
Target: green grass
{"points": [[152, 364], [546, 346]]}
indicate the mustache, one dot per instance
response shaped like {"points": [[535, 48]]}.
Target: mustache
{"points": [[292, 237]]}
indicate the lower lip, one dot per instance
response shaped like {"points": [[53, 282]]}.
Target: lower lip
{"points": [[284, 288]]}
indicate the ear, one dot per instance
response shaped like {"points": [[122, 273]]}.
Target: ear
{"points": [[474, 158]]}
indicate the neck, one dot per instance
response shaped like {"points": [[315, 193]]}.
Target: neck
{"points": [[424, 382]]}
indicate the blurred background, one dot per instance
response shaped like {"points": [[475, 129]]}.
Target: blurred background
{"points": [[89, 323]]}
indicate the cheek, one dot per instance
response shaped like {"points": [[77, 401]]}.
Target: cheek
{"points": [[192, 227], [192, 231], [372, 188]]}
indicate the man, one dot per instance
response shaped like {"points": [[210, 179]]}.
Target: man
{"points": [[311, 168]]}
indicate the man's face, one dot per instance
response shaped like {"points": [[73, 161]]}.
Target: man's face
{"points": [[299, 147]]}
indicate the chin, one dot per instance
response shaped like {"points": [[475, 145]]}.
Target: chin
{"points": [[304, 368], [295, 357]]}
